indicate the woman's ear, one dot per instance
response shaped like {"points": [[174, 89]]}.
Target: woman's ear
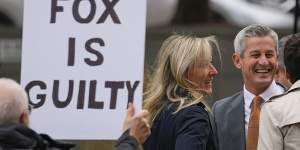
{"points": [[24, 119], [236, 59]]}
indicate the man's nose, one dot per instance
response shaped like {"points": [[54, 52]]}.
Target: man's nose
{"points": [[263, 60]]}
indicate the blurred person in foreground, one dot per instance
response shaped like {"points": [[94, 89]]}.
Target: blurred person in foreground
{"points": [[182, 78], [237, 116], [281, 76], [280, 116], [14, 121]]}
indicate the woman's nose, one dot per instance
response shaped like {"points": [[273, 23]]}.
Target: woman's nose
{"points": [[213, 70]]}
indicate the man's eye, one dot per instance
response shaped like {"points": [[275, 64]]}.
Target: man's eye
{"points": [[269, 55], [255, 55]]}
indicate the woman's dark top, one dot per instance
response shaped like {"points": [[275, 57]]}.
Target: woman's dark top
{"points": [[188, 129]]}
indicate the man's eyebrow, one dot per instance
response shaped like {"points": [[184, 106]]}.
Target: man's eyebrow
{"points": [[254, 51], [272, 51]]}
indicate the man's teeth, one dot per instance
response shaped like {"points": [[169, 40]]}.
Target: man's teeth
{"points": [[262, 70]]}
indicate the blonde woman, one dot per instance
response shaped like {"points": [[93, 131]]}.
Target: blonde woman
{"points": [[183, 76]]}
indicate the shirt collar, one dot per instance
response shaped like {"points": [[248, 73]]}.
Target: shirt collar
{"points": [[272, 90]]}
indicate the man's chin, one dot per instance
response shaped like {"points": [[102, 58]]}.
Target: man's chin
{"points": [[263, 82]]}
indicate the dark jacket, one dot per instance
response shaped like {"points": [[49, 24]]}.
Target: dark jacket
{"points": [[17, 136], [229, 120], [188, 129], [126, 142]]}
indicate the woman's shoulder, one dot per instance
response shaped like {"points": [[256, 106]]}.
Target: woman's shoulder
{"points": [[196, 108], [194, 118], [196, 111]]}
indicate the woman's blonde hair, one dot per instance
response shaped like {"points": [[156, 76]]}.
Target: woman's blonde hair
{"points": [[177, 56]]}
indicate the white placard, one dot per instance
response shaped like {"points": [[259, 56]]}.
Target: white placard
{"points": [[82, 61]]}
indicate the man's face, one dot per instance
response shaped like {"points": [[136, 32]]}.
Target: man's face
{"points": [[258, 63]]}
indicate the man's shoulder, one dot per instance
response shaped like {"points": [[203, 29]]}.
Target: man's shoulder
{"points": [[226, 105], [228, 100], [16, 135]]}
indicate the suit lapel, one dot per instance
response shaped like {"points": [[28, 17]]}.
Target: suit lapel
{"points": [[236, 121]]}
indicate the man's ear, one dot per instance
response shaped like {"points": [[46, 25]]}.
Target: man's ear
{"points": [[236, 59], [24, 119]]}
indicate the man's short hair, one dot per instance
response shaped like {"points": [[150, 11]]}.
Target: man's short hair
{"points": [[281, 44], [254, 30], [292, 57], [13, 101]]}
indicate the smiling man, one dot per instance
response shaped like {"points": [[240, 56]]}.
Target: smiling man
{"points": [[237, 117]]}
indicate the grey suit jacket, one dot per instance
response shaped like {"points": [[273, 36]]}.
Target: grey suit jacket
{"points": [[229, 122]]}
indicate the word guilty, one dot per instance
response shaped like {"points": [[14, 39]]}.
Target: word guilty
{"points": [[39, 90]]}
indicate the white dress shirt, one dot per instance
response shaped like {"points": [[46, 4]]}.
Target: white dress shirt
{"points": [[272, 90]]}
